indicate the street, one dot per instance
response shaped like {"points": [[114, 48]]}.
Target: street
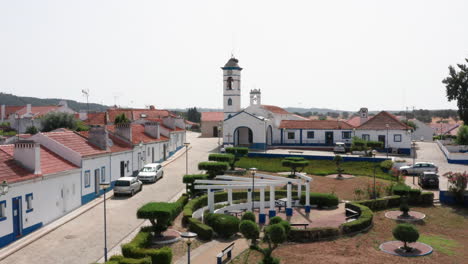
{"points": [[82, 241]]}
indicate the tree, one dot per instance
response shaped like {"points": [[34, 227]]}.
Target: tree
{"points": [[404, 208], [338, 160], [250, 230], [462, 136], [458, 182], [121, 119], [54, 120], [193, 115], [213, 168], [275, 234], [406, 233], [32, 130], [296, 164], [238, 153], [457, 89], [411, 124], [159, 214]]}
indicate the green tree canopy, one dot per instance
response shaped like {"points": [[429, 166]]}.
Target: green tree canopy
{"points": [[159, 214], [32, 130], [462, 135], [193, 115], [296, 164], [406, 233], [56, 120], [457, 89], [238, 153], [121, 119]]}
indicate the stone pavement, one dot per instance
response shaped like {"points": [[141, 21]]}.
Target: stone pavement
{"points": [[81, 239]]}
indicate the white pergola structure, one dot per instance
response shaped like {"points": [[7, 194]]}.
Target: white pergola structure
{"points": [[261, 182]]}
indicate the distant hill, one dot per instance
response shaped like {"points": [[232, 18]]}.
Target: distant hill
{"points": [[10, 99]]}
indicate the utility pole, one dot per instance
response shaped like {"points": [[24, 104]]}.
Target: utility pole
{"points": [[86, 93]]}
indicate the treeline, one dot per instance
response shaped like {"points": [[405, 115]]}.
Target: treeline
{"points": [[426, 116]]}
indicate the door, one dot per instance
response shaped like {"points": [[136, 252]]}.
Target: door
{"points": [[152, 154], [329, 138], [122, 169], [164, 151], [215, 131], [381, 138], [17, 217]]}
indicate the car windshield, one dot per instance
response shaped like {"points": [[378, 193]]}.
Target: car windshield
{"points": [[122, 183], [148, 169]]}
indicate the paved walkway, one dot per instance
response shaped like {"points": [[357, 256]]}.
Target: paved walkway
{"points": [[80, 240], [206, 253]]}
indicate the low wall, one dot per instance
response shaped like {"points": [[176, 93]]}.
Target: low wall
{"points": [[453, 158], [446, 197], [313, 157]]}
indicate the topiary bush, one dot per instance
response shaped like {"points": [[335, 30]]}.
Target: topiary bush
{"points": [[249, 230], [224, 225], [406, 233], [160, 215], [249, 216], [189, 180], [296, 164], [275, 220], [386, 165], [401, 189], [213, 168], [238, 153], [229, 158]]}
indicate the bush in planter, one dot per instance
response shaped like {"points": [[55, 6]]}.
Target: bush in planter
{"points": [[404, 208], [296, 164], [406, 233], [249, 230], [160, 215], [224, 225], [386, 165], [238, 153], [213, 168], [458, 182], [338, 160], [249, 216]]}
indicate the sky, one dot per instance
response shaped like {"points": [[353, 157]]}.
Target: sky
{"points": [[338, 54]]}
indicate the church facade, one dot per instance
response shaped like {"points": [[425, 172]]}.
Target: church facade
{"points": [[261, 126]]}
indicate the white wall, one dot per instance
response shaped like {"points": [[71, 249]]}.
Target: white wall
{"points": [[90, 164], [319, 136], [405, 137], [244, 120]]}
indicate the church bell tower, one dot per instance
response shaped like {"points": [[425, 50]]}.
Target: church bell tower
{"points": [[231, 88]]}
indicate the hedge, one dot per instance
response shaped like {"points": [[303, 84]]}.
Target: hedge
{"points": [[224, 225], [363, 222], [118, 259], [229, 158], [321, 199], [386, 165], [313, 234], [423, 199], [204, 232], [138, 248]]}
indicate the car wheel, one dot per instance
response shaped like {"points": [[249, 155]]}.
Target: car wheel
{"points": [[404, 172]]}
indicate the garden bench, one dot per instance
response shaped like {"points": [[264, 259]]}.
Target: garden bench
{"points": [[303, 225], [227, 251], [351, 214], [280, 203]]}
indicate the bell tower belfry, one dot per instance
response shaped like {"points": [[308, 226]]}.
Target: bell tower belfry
{"points": [[231, 87]]}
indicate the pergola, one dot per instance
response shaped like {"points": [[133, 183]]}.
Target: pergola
{"points": [[261, 182]]}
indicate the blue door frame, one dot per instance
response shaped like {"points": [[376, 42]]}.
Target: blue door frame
{"points": [[17, 217]]}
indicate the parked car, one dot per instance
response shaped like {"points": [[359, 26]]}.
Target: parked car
{"points": [[429, 179], [339, 147], [418, 168], [151, 172], [127, 185]]}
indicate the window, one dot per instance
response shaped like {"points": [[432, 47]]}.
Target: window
{"points": [[229, 101], [291, 135], [87, 178], [310, 134], [346, 134], [29, 203], [366, 137], [103, 174], [2, 210], [397, 138], [229, 83]]}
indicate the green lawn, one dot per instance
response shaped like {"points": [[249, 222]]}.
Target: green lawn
{"points": [[439, 243], [316, 167]]}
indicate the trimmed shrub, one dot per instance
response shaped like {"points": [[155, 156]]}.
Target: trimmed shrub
{"points": [[313, 234], [229, 158], [275, 220], [295, 164], [224, 225], [426, 199], [249, 216], [189, 180], [160, 214], [213, 168], [401, 189], [238, 153], [276, 233], [286, 225], [406, 233], [204, 232], [386, 165], [138, 248], [375, 205], [249, 230], [363, 222], [321, 199]]}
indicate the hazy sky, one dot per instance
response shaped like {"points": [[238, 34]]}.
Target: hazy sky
{"points": [[334, 54]]}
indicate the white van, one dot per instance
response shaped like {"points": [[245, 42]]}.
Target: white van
{"points": [[151, 172]]}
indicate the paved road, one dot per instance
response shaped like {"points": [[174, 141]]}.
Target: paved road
{"points": [[81, 240]]}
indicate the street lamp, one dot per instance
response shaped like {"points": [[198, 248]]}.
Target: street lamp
{"points": [[374, 152], [188, 237], [4, 188], [186, 156], [252, 171], [104, 186], [386, 139], [413, 146]]}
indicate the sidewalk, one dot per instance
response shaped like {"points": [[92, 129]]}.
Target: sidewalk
{"points": [[21, 243], [207, 252]]}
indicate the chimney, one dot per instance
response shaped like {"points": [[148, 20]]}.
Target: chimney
{"points": [[169, 122], [3, 113], [28, 154], [152, 129], [124, 131], [99, 137], [83, 115], [363, 115], [28, 109], [151, 107]]}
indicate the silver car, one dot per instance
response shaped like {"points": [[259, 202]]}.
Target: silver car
{"points": [[339, 147], [418, 168], [151, 172], [127, 185]]}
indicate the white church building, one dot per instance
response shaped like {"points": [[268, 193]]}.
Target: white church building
{"points": [[262, 126]]}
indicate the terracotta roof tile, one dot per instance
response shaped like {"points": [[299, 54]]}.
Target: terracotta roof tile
{"points": [[212, 116], [118, 144], [380, 120], [39, 111], [139, 135], [275, 109], [314, 124], [75, 142], [354, 121]]}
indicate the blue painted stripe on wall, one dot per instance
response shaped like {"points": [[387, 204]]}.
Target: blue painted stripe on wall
{"points": [[7, 239]]}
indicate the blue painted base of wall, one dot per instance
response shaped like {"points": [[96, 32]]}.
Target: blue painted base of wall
{"points": [[311, 157], [91, 196], [289, 211], [262, 219], [272, 213], [7, 239], [447, 198], [307, 208]]}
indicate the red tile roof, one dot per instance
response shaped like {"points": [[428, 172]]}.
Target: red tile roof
{"points": [[12, 109], [12, 171], [135, 114], [39, 111], [75, 142], [117, 146], [275, 109], [314, 124], [96, 119], [380, 120], [212, 116], [139, 135], [354, 121]]}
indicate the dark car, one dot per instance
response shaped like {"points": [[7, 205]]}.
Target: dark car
{"points": [[429, 180]]}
